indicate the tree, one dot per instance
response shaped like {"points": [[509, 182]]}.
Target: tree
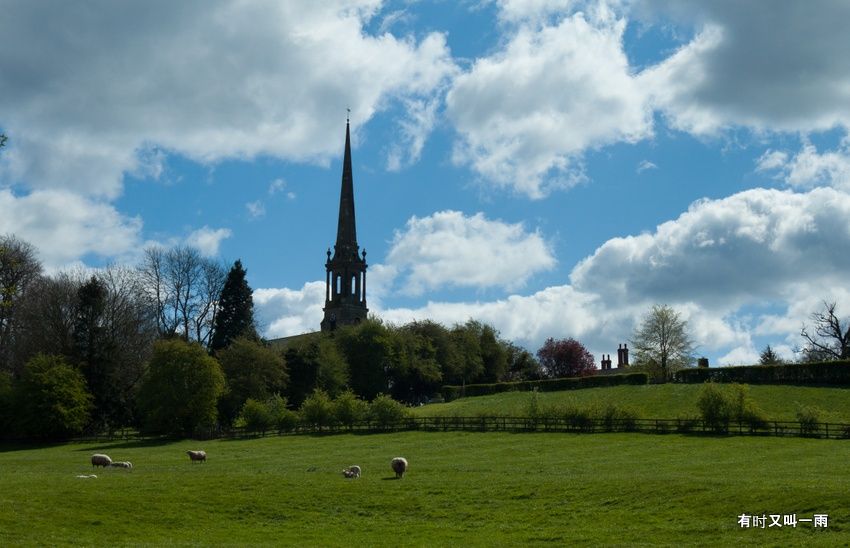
{"points": [[44, 319], [348, 409], [235, 316], [769, 357], [184, 289], [252, 371], [446, 352], [522, 365], [468, 345], [53, 401], [19, 268], [662, 338], [180, 391], [565, 358], [370, 350], [831, 337], [314, 361], [414, 374], [318, 409]]}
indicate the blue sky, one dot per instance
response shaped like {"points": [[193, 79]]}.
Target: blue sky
{"points": [[552, 167]]}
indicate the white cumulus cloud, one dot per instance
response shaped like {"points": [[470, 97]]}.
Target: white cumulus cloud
{"points": [[208, 240], [451, 249], [207, 80], [526, 113], [64, 227]]}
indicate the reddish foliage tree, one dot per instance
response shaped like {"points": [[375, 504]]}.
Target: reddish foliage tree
{"points": [[565, 358]]}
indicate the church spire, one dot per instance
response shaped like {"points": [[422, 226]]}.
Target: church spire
{"points": [[345, 281], [346, 233]]}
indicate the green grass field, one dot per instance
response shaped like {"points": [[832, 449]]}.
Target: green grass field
{"points": [[462, 488], [655, 401]]}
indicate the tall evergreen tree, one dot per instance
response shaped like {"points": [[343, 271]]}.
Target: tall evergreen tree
{"points": [[235, 317]]}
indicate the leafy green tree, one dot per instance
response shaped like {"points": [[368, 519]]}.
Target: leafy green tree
{"points": [[415, 373], [769, 357], [369, 348], [256, 416], [53, 401], [181, 389], [447, 355], [318, 409], [468, 345], [235, 315], [348, 409], [314, 361], [283, 418], [252, 370], [662, 338], [522, 365]]}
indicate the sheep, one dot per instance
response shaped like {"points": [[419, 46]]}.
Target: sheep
{"points": [[197, 456], [122, 464], [352, 472], [399, 466], [99, 459]]}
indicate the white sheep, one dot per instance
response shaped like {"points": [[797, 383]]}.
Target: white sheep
{"points": [[99, 459], [399, 466], [122, 464], [352, 472], [197, 456]]}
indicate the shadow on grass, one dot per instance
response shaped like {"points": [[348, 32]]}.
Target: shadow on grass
{"points": [[391, 478]]}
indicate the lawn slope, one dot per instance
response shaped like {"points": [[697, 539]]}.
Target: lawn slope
{"points": [[462, 488], [655, 401]]}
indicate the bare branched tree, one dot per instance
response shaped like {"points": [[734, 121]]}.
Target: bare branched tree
{"points": [[19, 268], [183, 288], [662, 341], [830, 339]]}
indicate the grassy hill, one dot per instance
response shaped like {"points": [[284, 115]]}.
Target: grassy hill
{"points": [[655, 401], [461, 489]]}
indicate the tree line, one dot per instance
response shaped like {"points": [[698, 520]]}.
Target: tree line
{"points": [[170, 345]]}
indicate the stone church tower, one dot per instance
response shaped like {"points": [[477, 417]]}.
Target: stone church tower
{"points": [[345, 285]]}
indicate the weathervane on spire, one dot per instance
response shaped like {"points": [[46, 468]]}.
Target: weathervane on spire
{"points": [[348, 116]]}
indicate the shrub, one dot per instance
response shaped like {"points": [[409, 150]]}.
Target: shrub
{"points": [[451, 392], [615, 417], [809, 418], [283, 418], [317, 409], [721, 404], [256, 416], [714, 407], [835, 373], [348, 409], [385, 412]]}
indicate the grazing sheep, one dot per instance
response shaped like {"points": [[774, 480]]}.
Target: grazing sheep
{"points": [[399, 466], [197, 456], [352, 472], [99, 459], [122, 464]]}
